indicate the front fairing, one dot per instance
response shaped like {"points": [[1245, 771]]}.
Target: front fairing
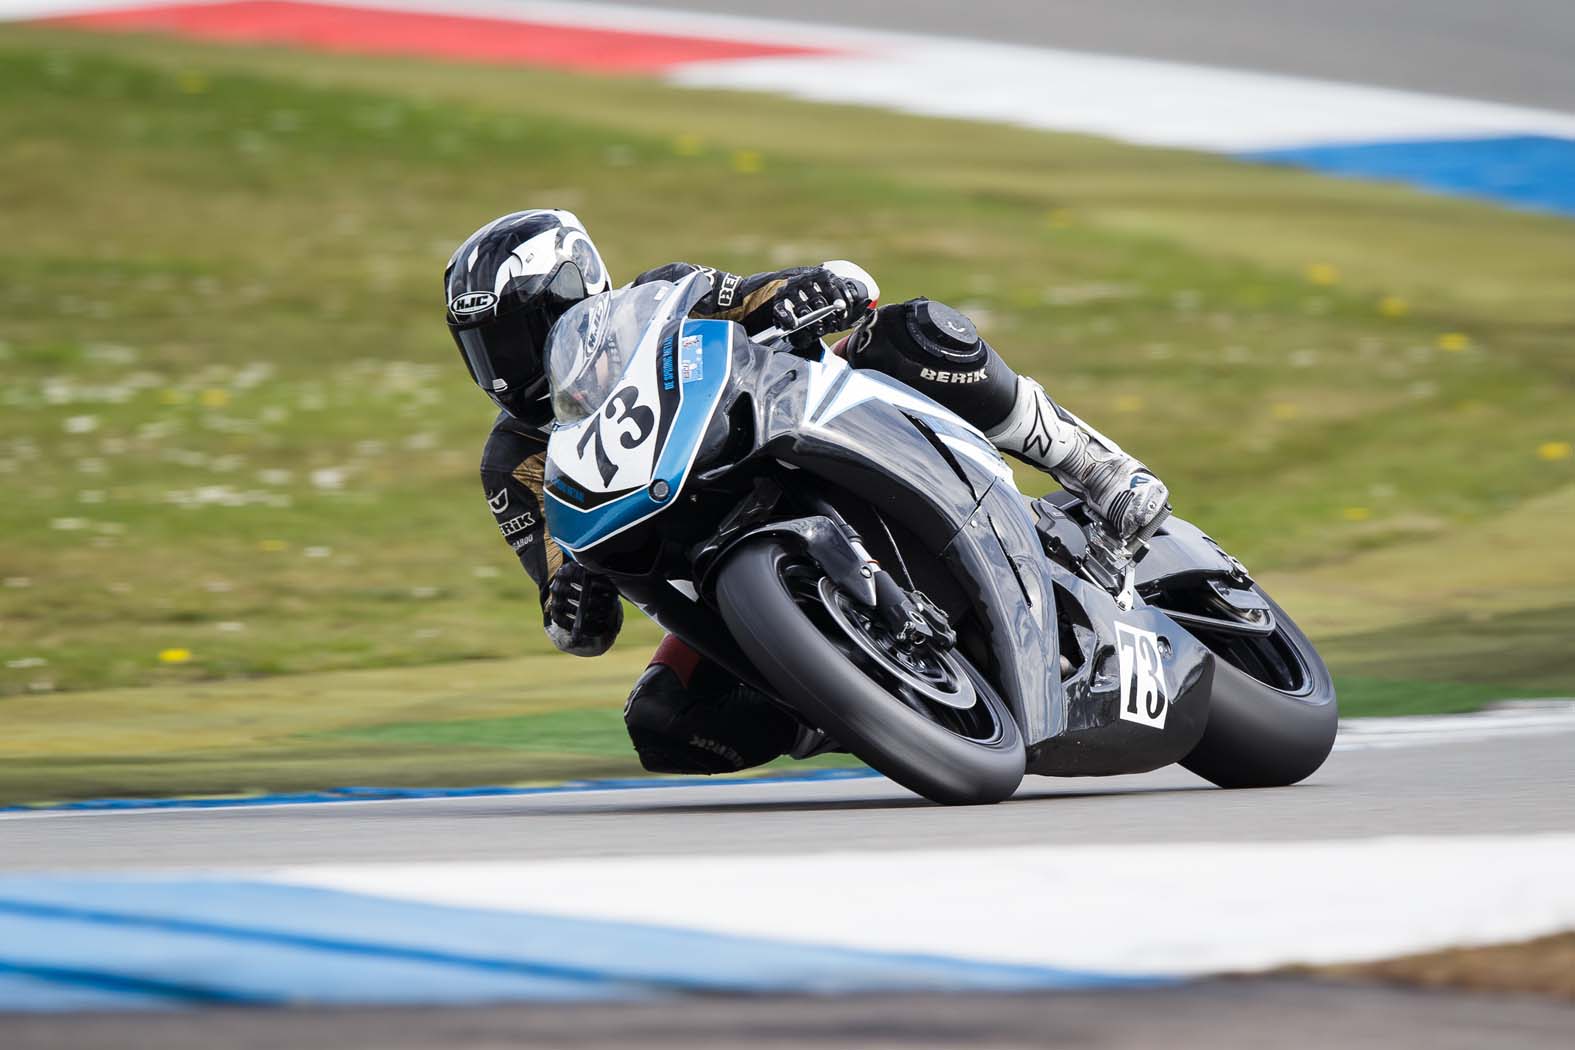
{"points": [[627, 458]]}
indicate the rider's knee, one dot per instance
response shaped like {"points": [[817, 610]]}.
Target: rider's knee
{"points": [[707, 724], [937, 351]]}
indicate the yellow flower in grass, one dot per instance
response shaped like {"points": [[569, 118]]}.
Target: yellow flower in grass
{"points": [[174, 656], [688, 145], [1129, 403], [272, 546], [214, 398], [1454, 342], [1058, 218], [1356, 514], [748, 162], [1393, 306], [1284, 410], [1322, 273], [192, 82], [1553, 451]]}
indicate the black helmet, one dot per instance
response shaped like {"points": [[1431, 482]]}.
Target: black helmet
{"points": [[506, 285]]}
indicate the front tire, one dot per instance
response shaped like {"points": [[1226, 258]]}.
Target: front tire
{"points": [[825, 683], [1273, 713]]}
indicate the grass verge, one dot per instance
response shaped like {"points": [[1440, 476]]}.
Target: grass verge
{"points": [[1545, 966]]}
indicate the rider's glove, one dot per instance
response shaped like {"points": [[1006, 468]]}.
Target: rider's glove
{"points": [[582, 612], [815, 289]]}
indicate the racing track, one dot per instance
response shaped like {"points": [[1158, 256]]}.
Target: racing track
{"points": [[1516, 780], [1519, 784]]}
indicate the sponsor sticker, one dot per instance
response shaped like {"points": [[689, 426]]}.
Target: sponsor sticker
{"points": [[1143, 698], [690, 360], [498, 501]]}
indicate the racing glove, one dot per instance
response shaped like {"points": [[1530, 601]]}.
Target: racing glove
{"points": [[818, 288], [582, 612]]}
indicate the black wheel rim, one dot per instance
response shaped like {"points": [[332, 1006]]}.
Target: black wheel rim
{"points": [[912, 677], [1272, 659]]}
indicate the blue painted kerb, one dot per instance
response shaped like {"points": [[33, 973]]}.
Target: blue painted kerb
{"points": [[1535, 172], [380, 794], [113, 942]]}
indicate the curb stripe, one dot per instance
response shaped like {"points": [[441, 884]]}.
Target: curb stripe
{"points": [[253, 934], [397, 794], [1530, 171], [126, 985], [175, 941], [340, 28]]}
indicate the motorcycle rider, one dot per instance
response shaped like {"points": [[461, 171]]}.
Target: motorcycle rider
{"points": [[507, 284]]}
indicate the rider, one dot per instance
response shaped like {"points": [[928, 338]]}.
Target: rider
{"points": [[512, 279]]}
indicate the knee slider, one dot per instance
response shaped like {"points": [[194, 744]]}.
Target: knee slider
{"points": [[922, 334], [937, 351]]}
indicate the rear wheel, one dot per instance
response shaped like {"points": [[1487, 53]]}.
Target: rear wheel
{"points": [[1273, 713], [925, 718]]}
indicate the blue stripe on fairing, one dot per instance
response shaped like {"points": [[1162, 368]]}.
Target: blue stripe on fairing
{"points": [[109, 942], [384, 794], [1527, 171]]}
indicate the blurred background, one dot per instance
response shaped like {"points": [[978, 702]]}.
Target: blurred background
{"points": [[245, 547]]}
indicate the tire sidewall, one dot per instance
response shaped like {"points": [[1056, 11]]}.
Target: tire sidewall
{"points": [[815, 678], [1259, 736]]}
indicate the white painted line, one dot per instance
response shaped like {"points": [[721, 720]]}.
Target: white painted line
{"points": [[1134, 100], [1507, 719], [1181, 909]]}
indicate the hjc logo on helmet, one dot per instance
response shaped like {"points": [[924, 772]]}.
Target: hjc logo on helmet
{"points": [[468, 303]]}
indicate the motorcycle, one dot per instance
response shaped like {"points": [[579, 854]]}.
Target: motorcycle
{"points": [[863, 556]]}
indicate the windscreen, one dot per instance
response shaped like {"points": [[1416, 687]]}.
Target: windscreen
{"points": [[592, 344]]}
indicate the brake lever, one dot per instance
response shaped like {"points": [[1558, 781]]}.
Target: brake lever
{"points": [[799, 323]]}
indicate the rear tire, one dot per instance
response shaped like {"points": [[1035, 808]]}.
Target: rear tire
{"points": [[820, 680], [1262, 736]]}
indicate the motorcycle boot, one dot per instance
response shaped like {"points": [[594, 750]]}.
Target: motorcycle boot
{"points": [[1118, 488]]}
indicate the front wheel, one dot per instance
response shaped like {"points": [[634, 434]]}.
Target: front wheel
{"points": [[929, 721], [1272, 715]]}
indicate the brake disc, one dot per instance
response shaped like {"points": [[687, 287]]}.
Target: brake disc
{"points": [[956, 691]]}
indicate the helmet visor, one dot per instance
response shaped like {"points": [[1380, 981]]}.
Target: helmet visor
{"points": [[504, 353], [504, 356]]}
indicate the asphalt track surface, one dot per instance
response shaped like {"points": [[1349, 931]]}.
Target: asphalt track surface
{"points": [[1520, 784], [1514, 51], [1264, 1014], [1508, 785]]}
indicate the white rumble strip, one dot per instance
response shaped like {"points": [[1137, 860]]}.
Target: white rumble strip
{"points": [[1177, 909]]}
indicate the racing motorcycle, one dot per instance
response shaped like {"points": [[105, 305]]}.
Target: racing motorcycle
{"points": [[863, 556]]}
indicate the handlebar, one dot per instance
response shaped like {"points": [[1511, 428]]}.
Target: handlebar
{"points": [[776, 333]]}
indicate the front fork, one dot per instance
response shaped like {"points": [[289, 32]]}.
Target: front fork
{"points": [[911, 617], [828, 540]]}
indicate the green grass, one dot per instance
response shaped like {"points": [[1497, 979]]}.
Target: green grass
{"points": [[234, 425]]}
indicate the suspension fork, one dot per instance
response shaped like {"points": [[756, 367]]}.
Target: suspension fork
{"points": [[909, 615]]}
